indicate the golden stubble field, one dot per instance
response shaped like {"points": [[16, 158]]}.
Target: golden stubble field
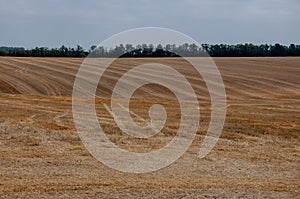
{"points": [[258, 154]]}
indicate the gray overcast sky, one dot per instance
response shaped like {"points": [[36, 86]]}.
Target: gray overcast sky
{"points": [[51, 23]]}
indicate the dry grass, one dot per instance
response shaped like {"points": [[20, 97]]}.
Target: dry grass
{"points": [[257, 156]]}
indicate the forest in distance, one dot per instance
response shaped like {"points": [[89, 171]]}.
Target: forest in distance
{"points": [[150, 50]]}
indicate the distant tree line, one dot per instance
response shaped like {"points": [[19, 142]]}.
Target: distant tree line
{"points": [[169, 50], [63, 51], [251, 50]]}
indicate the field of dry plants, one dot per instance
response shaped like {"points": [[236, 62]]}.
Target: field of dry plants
{"points": [[257, 155]]}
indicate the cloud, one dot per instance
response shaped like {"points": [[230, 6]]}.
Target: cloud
{"points": [[52, 23]]}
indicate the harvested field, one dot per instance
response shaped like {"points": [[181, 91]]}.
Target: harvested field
{"points": [[258, 154]]}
